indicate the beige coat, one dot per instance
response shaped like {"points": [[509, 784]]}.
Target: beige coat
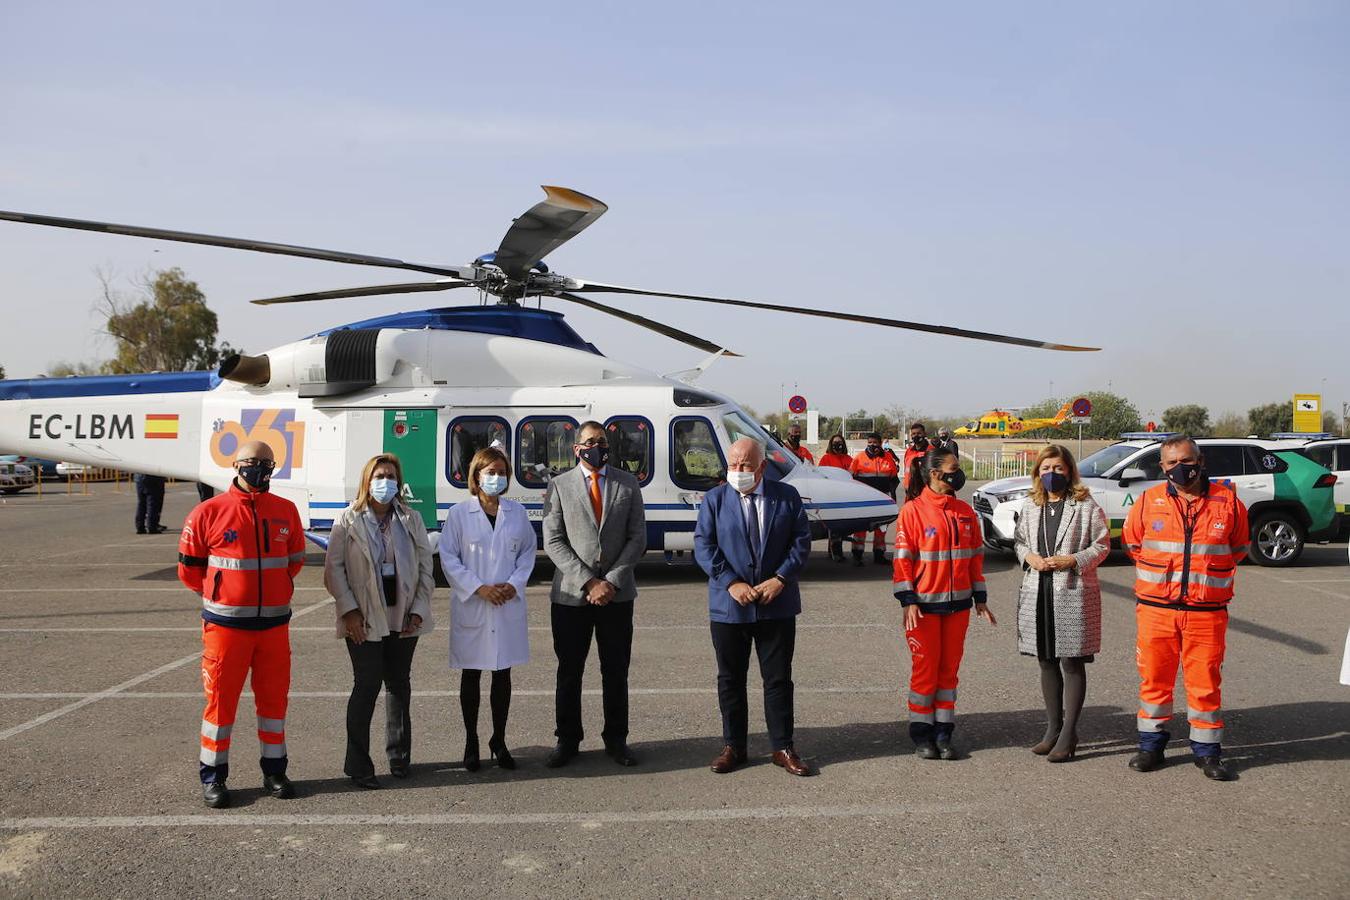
{"points": [[352, 577], [1084, 535]]}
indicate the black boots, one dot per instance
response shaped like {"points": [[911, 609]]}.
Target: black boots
{"points": [[216, 795]]}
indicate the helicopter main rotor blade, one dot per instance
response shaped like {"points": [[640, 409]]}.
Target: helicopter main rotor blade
{"points": [[829, 314], [545, 228], [669, 331], [374, 290], [188, 237]]}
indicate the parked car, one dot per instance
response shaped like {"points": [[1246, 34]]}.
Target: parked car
{"points": [[1334, 453], [1289, 497], [76, 469], [15, 477], [43, 468]]}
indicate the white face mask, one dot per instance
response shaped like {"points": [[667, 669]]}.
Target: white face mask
{"points": [[382, 490], [492, 485], [743, 482]]}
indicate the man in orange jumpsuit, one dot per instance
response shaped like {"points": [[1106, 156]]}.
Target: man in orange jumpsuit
{"points": [[240, 552], [794, 443], [877, 468], [1186, 537]]}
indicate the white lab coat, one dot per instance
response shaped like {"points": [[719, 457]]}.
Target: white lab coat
{"points": [[473, 553]]}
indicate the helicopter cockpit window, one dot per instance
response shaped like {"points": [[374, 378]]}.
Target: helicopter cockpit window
{"points": [[696, 462], [465, 437], [544, 449], [631, 446], [739, 425]]}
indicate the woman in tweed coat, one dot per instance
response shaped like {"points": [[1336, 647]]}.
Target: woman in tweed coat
{"points": [[1061, 538]]}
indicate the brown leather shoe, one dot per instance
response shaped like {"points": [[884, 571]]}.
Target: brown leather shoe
{"points": [[728, 760], [788, 759]]}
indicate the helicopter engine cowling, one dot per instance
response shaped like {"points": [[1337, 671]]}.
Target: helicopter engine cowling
{"points": [[334, 364]]}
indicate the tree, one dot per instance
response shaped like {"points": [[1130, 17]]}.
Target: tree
{"points": [[1188, 418], [1330, 422], [170, 329], [62, 368], [2, 373], [1231, 425], [1271, 418]]}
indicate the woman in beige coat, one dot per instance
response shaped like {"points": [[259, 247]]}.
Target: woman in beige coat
{"points": [[379, 571], [1061, 538]]}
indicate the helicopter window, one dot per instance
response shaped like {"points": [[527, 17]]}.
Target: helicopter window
{"points": [[739, 425], [465, 437], [544, 449], [696, 461], [687, 397], [631, 446]]}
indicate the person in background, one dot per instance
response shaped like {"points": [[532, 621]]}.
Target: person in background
{"points": [[240, 552], [379, 570], [752, 539], [946, 441], [1186, 537], [487, 554], [836, 456], [149, 504], [1060, 539], [595, 531], [939, 575], [915, 447], [877, 468], [204, 492], [794, 443]]}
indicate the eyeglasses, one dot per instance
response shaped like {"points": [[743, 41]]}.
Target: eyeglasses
{"points": [[593, 442], [264, 463]]}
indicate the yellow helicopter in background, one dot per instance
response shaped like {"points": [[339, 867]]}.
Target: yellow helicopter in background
{"points": [[1001, 423]]}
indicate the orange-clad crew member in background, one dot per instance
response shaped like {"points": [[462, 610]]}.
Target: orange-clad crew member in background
{"points": [[240, 552], [836, 456], [939, 575], [918, 446], [794, 443], [1186, 537], [877, 468]]}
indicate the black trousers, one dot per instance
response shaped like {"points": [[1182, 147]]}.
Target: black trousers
{"points": [[573, 626], [387, 662], [149, 504], [774, 641]]}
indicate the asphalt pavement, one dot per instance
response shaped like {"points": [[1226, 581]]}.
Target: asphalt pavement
{"points": [[100, 702]]}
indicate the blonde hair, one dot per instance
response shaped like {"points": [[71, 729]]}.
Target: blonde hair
{"points": [[363, 489], [1077, 489], [481, 460]]}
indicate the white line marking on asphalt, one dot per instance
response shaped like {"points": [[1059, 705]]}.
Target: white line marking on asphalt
{"points": [[137, 629], [311, 695], [119, 689], [442, 819]]}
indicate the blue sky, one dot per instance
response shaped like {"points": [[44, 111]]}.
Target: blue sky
{"points": [[1168, 183]]}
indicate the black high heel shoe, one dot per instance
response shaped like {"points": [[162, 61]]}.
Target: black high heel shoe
{"points": [[471, 760], [503, 756]]}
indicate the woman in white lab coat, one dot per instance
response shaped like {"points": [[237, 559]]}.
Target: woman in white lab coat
{"points": [[487, 553]]}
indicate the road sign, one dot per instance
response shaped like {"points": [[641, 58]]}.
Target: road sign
{"points": [[1308, 413], [797, 405], [1082, 407], [1081, 420]]}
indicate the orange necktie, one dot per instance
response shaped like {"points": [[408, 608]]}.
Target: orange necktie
{"points": [[596, 504]]}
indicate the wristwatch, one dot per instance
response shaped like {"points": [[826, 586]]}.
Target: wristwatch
{"points": [[781, 579]]}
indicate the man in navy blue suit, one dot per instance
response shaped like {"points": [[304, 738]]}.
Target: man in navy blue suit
{"points": [[753, 539]]}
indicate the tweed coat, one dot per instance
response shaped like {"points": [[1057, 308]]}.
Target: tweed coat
{"points": [[1084, 535]]}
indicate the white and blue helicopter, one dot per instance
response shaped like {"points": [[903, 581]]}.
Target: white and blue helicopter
{"points": [[434, 386]]}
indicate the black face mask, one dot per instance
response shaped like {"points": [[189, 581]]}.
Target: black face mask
{"points": [[836, 448], [1054, 482], [954, 480], [873, 452], [256, 477], [921, 443], [1183, 474], [595, 457], [794, 440]]}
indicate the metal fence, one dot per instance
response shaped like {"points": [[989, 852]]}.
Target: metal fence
{"points": [[990, 463]]}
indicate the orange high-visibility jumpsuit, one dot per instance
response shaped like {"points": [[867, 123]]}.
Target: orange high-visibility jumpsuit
{"points": [[240, 552], [939, 565], [883, 473], [1185, 555]]}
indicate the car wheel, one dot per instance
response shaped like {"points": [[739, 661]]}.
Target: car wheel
{"points": [[1277, 540]]}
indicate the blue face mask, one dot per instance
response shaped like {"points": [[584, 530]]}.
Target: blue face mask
{"points": [[382, 490], [1054, 482], [492, 485]]}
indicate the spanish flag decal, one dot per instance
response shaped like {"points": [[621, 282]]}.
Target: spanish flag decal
{"points": [[161, 425]]}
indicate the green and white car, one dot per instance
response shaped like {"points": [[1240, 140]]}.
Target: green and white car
{"points": [[1288, 496], [1334, 454]]}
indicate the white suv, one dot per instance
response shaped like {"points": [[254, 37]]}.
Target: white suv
{"points": [[1287, 495], [1334, 453], [15, 477]]}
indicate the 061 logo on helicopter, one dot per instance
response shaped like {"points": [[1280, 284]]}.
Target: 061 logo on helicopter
{"points": [[277, 428]]}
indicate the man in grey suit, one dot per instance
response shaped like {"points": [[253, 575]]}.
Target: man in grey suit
{"points": [[595, 531]]}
